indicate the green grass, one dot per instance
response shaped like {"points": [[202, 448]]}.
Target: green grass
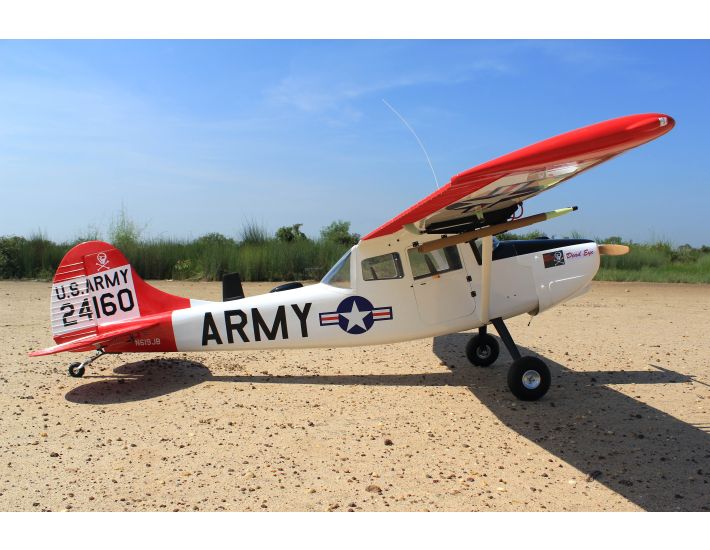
{"points": [[657, 262], [259, 256], [210, 259], [650, 266], [207, 258]]}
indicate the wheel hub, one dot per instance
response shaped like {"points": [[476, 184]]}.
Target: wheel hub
{"points": [[531, 379], [484, 351]]}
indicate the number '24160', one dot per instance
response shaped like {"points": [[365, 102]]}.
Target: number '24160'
{"points": [[105, 306]]}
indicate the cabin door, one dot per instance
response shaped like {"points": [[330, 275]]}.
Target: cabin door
{"points": [[442, 286]]}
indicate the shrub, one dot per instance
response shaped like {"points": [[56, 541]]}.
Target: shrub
{"points": [[184, 269], [253, 233], [339, 232], [10, 265], [123, 232], [290, 233]]}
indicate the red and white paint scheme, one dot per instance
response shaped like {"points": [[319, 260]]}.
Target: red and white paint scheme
{"points": [[433, 269]]}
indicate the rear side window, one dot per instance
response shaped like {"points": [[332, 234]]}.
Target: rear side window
{"points": [[387, 266], [431, 263]]}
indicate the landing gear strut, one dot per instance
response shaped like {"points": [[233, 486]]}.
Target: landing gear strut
{"points": [[77, 370], [528, 377]]}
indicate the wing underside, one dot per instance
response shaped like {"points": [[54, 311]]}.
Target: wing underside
{"points": [[492, 192]]}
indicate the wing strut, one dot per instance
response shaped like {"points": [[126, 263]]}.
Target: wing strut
{"points": [[493, 230], [486, 261]]}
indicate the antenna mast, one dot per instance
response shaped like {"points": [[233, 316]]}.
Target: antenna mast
{"points": [[419, 141]]}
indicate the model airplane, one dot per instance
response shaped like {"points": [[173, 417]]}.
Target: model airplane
{"points": [[434, 269]]}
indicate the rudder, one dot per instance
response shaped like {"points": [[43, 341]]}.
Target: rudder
{"points": [[95, 284]]}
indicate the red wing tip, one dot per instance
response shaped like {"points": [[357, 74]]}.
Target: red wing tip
{"points": [[653, 123], [670, 121]]}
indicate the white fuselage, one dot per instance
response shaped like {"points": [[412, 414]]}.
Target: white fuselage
{"points": [[389, 310]]}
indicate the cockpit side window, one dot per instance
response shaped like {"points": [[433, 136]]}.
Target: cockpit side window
{"points": [[339, 274], [387, 266], [431, 263]]}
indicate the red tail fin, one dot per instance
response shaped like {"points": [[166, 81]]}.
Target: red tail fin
{"points": [[94, 284]]}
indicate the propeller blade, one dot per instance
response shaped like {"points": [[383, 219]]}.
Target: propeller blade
{"points": [[613, 249]]}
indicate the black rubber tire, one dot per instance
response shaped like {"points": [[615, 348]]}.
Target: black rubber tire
{"points": [[482, 350], [520, 370], [76, 370]]}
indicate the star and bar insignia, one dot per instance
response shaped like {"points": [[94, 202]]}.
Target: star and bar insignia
{"points": [[356, 315]]}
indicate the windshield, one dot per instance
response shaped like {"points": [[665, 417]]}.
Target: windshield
{"points": [[477, 247], [339, 274]]}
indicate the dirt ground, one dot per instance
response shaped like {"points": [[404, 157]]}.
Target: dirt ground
{"points": [[411, 426]]}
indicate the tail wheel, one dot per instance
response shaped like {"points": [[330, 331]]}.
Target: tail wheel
{"points": [[529, 378], [482, 350], [76, 370]]}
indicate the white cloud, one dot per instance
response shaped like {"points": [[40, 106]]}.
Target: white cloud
{"points": [[313, 93]]}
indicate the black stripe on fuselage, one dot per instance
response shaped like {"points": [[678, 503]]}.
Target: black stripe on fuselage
{"points": [[509, 249]]}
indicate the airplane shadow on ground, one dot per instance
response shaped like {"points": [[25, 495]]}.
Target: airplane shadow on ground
{"points": [[649, 457]]}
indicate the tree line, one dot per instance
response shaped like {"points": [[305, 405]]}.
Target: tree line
{"points": [[289, 254]]}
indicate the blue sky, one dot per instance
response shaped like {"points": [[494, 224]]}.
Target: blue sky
{"points": [[199, 136]]}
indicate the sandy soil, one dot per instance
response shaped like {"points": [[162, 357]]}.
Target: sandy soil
{"points": [[625, 426]]}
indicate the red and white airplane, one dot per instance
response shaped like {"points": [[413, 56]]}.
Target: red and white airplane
{"points": [[433, 269]]}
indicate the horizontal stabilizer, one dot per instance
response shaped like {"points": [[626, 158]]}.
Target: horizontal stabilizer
{"points": [[111, 334]]}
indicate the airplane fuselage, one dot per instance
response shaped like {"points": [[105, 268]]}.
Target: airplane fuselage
{"points": [[408, 299]]}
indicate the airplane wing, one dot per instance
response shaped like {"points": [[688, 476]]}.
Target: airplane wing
{"points": [[491, 193], [111, 334]]}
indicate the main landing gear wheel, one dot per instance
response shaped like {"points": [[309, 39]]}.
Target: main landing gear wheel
{"points": [[529, 378], [482, 350], [76, 370]]}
